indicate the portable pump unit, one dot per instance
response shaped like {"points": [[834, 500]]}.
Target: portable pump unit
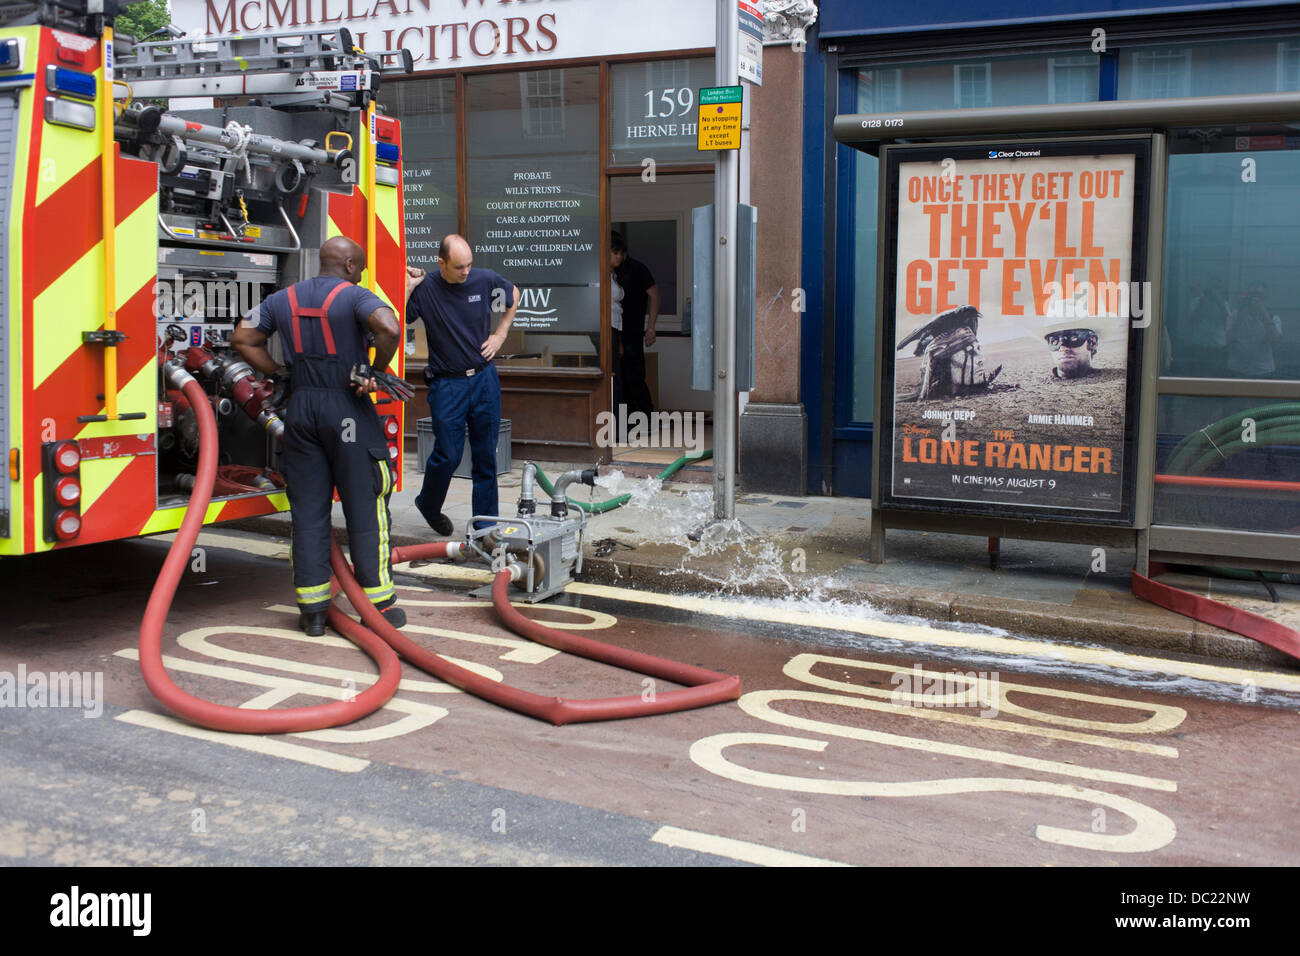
{"points": [[139, 231]]}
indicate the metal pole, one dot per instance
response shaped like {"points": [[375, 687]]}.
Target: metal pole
{"points": [[725, 198]]}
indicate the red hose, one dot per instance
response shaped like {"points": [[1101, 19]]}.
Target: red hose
{"points": [[236, 719], [384, 643], [1247, 484], [709, 687], [1209, 611]]}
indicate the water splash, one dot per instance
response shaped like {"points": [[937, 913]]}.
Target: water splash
{"points": [[739, 559]]}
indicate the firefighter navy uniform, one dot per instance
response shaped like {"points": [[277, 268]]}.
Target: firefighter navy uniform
{"points": [[332, 437]]}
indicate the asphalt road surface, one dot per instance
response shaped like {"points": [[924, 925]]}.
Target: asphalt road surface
{"points": [[849, 746]]}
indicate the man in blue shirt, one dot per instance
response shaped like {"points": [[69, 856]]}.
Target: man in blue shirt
{"points": [[332, 436], [456, 305]]}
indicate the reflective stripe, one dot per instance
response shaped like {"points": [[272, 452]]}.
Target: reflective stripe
{"points": [[380, 594], [381, 509], [320, 592]]}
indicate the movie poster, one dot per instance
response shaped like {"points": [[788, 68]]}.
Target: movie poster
{"points": [[1013, 306]]}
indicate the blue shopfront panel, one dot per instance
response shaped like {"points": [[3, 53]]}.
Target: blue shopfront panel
{"points": [[845, 18]]}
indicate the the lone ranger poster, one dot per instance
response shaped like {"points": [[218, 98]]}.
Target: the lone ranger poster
{"points": [[1013, 300]]}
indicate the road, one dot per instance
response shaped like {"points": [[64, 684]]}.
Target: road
{"points": [[849, 746]]}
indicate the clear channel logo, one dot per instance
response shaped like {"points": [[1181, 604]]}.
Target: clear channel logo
{"points": [[1013, 153]]}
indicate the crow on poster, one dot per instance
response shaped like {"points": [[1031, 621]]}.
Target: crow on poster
{"points": [[1012, 310]]}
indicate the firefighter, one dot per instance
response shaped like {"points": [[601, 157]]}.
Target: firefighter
{"points": [[333, 438]]}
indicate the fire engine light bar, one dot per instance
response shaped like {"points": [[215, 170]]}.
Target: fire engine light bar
{"points": [[67, 457], [71, 82], [63, 112], [386, 175], [10, 55]]}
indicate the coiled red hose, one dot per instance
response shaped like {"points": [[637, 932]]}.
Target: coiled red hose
{"points": [[235, 719], [384, 643]]}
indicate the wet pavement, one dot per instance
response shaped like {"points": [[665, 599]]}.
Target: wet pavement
{"points": [[814, 548]]}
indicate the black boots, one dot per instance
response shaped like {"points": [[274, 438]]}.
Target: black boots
{"points": [[312, 622]]}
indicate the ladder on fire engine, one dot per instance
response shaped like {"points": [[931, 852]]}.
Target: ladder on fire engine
{"points": [[280, 68]]}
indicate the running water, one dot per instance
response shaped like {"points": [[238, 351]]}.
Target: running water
{"points": [[740, 559]]}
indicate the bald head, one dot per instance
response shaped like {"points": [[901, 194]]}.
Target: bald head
{"points": [[342, 257], [454, 259]]}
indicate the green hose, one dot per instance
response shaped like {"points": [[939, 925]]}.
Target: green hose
{"points": [[1274, 425], [1202, 450], [600, 507]]}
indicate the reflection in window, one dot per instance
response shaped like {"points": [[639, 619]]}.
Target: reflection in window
{"points": [[971, 83], [1159, 74], [1288, 65], [422, 105], [880, 91], [542, 94], [1072, 79], [1230, 284]]}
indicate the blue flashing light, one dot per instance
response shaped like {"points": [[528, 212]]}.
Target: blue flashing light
{"points": [[387, 152], [73, 83], [10, 57]]}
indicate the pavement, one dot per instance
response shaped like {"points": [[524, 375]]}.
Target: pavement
{"points": [[811, 551]]}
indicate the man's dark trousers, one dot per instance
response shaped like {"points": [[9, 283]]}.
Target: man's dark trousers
{"points": [[333, 439], [454, 402]]}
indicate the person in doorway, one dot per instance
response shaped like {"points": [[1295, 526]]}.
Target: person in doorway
{"points": [[332, 436], [456, 305], [640, 313]]}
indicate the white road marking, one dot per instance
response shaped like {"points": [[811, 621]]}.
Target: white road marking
{"points": [[735, 849], [262, 745]]}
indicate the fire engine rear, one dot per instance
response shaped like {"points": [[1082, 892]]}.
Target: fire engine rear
{"points": [[151, 195]]}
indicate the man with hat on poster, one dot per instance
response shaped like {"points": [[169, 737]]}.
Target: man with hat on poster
{"points": [[1073, 350]]}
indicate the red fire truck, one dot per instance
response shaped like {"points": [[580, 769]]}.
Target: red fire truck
{"points": [[139, 227]]}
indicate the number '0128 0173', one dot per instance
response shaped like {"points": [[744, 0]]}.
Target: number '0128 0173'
{"points": [[876, 124]]}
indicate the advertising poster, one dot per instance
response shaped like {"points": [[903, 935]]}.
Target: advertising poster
{"points": [[1013, 306]]}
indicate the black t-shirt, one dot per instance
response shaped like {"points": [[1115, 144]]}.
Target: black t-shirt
{"points": [[635, 279], [348, 317], [458, 316]]}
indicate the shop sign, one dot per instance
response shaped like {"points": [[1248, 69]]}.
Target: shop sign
{"points": [[459, 34]]}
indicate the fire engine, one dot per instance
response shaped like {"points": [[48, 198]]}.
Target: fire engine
{"points": [[138, 231]]}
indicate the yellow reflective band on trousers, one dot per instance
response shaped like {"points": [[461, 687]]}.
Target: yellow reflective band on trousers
{"points": [[385, 590], [313, 595]]}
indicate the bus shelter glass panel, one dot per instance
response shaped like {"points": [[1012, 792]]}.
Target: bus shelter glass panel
{"points": [[1231, 287], [534, 199], [1227, 463]]}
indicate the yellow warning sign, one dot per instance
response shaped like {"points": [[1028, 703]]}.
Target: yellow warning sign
{"points": [[719, 127]]}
